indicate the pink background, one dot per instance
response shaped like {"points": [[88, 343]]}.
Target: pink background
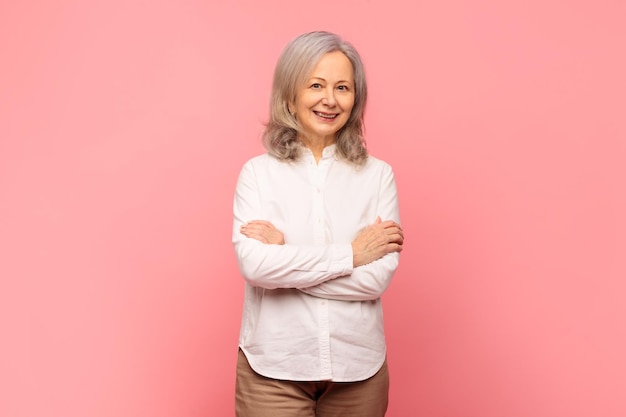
{"points": [[123, 126]]}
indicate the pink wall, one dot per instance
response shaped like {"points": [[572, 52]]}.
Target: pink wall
{"points": [[123, 125]]}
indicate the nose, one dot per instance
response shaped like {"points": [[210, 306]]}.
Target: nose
{"points": [[329, 97]]}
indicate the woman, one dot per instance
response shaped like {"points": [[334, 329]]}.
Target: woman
{"points": [[317, 239]]}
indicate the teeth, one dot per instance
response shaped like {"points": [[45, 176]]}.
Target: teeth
{"points": [[326, 116]]}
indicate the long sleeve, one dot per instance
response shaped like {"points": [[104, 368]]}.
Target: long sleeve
{"points": [[279, 266], [367, 282]]}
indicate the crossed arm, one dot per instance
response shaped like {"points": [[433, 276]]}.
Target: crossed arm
{"points": [[360, 270], [372, 243]]}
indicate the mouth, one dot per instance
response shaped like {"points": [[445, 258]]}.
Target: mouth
{"points": [[326, 116]]}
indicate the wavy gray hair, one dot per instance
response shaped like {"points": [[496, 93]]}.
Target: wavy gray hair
{"points": [[295, 63]]}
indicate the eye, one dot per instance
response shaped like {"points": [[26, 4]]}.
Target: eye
{"points": [[316, 85], [343, 88]]}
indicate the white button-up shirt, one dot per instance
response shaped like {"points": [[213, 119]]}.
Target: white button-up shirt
{"points": [[308, 315]]}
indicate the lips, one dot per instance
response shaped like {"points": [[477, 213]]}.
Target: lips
{"points": [[327, 116]]}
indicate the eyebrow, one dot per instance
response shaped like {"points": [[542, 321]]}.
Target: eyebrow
{"points": [[322, 79]]}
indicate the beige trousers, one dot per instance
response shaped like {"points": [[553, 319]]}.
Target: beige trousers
{"points": [[258, 396]]}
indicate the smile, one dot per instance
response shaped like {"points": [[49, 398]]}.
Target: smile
{"points": [[328, 116]]}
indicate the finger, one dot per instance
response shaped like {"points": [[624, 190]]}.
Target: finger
{"points": [[395, 236], [257, 236], [260, 223], [250, 231], [394, 247], [250, 234], [390, 230], [246, 230], [389, 223], [256, 226]]}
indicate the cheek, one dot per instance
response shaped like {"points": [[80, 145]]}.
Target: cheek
{"points": [[347, 104], [307, 102], [348, 112]]}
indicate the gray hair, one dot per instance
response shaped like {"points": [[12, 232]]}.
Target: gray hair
{"points": [[295, 63]]}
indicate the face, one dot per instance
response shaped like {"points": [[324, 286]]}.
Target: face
{"points": [[324, 103]]}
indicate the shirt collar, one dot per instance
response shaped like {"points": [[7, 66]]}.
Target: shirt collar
{"points": [[327, 153]]}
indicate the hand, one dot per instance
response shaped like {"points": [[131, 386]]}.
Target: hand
{"points": [[263, 231], [377, 240]]}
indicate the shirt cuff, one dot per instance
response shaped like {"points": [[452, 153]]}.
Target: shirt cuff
{"points": [[342, 259]]}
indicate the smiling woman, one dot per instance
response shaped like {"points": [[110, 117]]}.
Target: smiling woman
{"points": [[323, 105], [310, 68], [317, 237]]}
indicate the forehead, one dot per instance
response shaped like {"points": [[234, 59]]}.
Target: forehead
{"points": [[333, 66]]}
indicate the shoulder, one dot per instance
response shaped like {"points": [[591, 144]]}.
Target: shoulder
{"points": [[376, 161], [376, 164], [259, 161], [267, 163]]}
